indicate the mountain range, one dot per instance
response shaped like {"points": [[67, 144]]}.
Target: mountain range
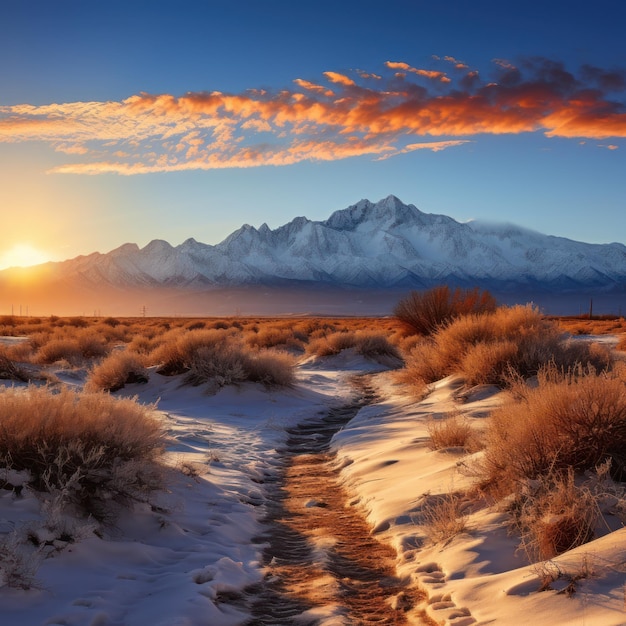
{"points": [[387, 245]]}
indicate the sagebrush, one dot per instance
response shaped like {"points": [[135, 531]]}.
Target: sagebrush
{"points": [[93, 447]]}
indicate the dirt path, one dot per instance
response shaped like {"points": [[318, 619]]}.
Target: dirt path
{"points": [[320, 555]]}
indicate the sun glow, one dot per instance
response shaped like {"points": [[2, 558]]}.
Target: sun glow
{"points": [[22, 255]]}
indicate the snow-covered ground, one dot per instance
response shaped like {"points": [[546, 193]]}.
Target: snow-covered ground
{"points": [[165, 562]]}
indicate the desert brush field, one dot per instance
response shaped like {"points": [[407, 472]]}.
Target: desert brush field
{"points": [[456, 463]]}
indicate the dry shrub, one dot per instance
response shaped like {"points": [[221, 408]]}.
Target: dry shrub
{"points": [[9, 370], [271, 368], [571, 419], [21, 352], [179, 348], [272, 336], [142, 345], [218, 358], [424, 312], [555, 515], [219, 364], [72, 347], [115, 372], [9, 321], [197, 325], [91, 345], [490, 348], [443, 518], [230, 362], [377, 347], [369, 344], [452, 431], [93, 447], [331, 344], [59, 350], [77, 322]]}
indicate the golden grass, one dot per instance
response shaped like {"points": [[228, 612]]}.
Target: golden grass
{"points": [[443, 518], [452, 431]]}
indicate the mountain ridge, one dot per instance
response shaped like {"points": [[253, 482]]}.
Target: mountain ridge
{"points": [[381, 245]]}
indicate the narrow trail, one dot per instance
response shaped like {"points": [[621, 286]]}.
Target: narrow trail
{"points": [[320, 556]]}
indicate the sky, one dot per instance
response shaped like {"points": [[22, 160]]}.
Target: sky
{"points": [[132, 121]]}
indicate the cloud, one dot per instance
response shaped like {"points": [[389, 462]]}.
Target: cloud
{"points": [[434, 74], [305, 84], [396, 111], [340, 79], [435, 146]]}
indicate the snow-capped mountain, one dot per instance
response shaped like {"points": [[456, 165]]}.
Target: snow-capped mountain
{"points": [[383, 244]]}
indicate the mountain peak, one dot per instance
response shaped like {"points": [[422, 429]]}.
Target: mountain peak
{"points": [[157, 246], [390, 209]]}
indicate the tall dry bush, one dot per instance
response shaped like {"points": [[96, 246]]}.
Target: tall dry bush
{"points": [[453, 431], [424, 312], [92, 447], [443, 517]]}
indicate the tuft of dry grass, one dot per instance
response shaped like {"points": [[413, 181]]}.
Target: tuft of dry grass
{"points": [[92, 447], [443, 517], [453, 431]]}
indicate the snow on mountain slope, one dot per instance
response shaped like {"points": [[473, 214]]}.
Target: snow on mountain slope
{"points": [[383, 244]]}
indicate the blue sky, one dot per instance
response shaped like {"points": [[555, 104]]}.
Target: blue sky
{"points": [[131, 121]]}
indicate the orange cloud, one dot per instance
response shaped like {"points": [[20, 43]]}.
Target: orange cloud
{"points": [[391, 115], [459, 65], [426, 73], [340, 79], [305, 84]]}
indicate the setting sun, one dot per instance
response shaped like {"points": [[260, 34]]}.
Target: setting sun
{"points": [[22, 255]]}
